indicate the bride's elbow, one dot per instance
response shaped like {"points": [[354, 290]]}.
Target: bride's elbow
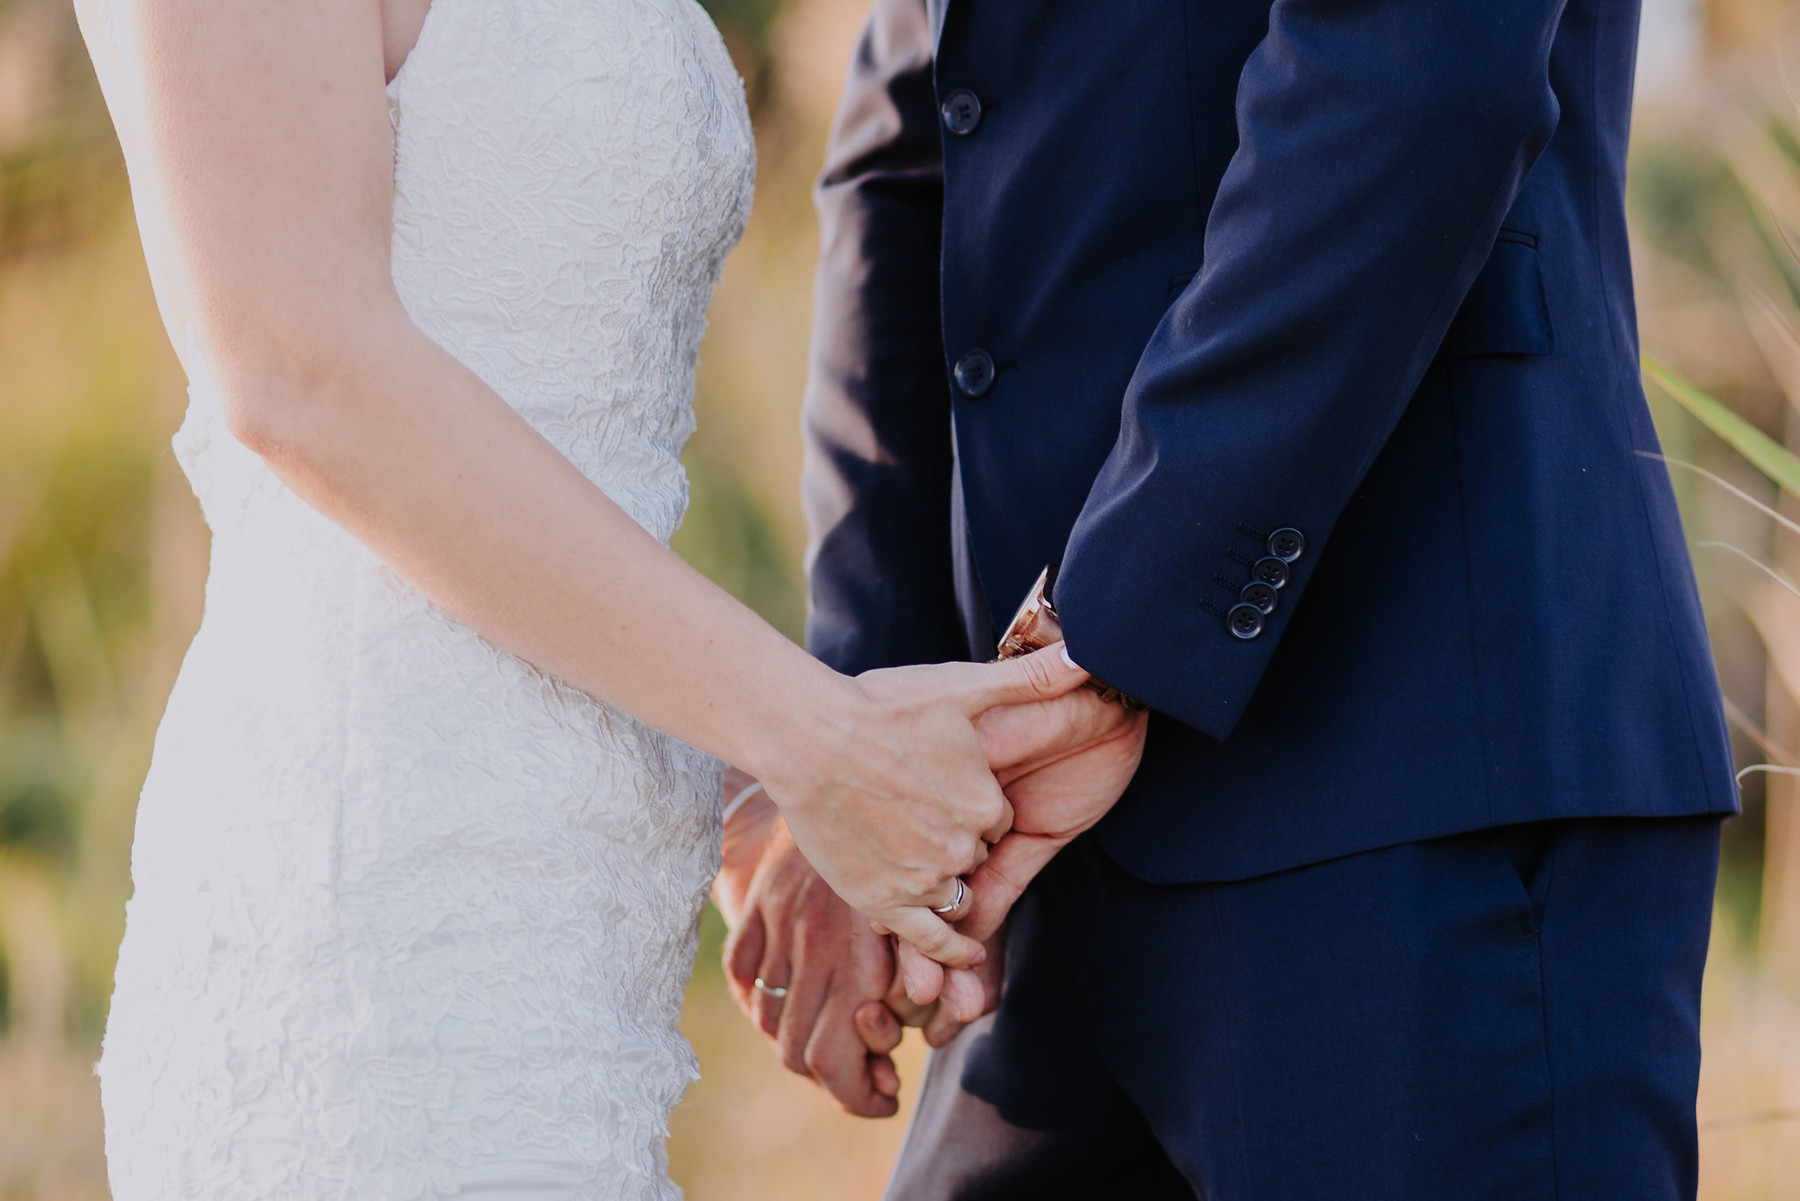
{"points": [[268, 411], [289, 391]]}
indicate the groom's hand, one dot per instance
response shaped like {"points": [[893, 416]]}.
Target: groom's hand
{"points": [[1063, 764], [791, 931]]}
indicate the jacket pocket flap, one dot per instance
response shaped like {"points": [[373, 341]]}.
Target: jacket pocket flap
{"points": [[1505, 311]]}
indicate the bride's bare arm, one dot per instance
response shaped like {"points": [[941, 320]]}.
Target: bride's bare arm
{"points": [[258, 140]]}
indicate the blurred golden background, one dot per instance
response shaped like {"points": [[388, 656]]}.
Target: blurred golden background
{"points": [[102, 557]]}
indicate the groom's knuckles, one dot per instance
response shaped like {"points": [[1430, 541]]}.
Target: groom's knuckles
{"points": [[799, 1023], [832, 1054], [836, 1057]]}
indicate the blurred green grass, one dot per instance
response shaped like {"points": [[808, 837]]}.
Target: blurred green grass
{"points": [[102, 556]]}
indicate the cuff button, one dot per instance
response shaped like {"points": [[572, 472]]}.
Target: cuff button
{"points": [[1271, 571], [1259, 594], [1245, 621], [1287, 544]]}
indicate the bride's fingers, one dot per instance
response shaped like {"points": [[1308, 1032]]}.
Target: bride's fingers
{"points": [[930, 934], [1039, 676], [953, 903]]}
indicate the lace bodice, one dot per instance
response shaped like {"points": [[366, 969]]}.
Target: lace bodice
{"points": [[410, 917], [569, 176]]}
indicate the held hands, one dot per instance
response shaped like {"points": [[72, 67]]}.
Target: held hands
{"points": [[810, 973], [890, 795], [1063, 763], [792, 934]]}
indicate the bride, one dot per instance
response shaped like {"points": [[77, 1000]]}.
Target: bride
{"points": [[420, 856]]}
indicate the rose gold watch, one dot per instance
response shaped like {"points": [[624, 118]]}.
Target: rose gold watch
{"points": [[1036, 626]]}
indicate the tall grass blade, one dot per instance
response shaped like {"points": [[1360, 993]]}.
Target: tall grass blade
{"points": [[1778, 518], [1755, 562], [1765, 454]]}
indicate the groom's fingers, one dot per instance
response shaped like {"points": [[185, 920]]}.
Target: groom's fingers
{"points": [[881, 1031], [922, 977], [998, 883], [885, 1077], [1020, 739], [799, 1017], [817, 944], [962, 996], [957, 991], [743, 956], [836, 1057]]}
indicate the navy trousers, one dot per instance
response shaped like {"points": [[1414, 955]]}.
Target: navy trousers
{"points": [[1511, 1014]]}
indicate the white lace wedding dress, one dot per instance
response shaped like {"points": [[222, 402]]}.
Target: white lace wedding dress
{"points": [[412, 919]]}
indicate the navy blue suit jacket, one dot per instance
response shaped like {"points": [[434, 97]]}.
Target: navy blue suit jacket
{"points": [[1156, 280]]}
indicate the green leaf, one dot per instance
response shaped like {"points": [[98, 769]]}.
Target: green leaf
{"points": [[1767, 455]]}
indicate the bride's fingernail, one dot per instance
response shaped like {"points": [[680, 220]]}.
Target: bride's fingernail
{"points": [[980, 958]]}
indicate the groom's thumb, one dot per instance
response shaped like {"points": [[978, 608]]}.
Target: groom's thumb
{"points": [[1039, 676]]}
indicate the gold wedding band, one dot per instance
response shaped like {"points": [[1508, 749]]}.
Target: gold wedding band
{"points": [[962, 891], [771, 990]]}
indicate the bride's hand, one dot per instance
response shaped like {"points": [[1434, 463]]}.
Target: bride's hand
{"points": [[891, 798], [1063, 765]]}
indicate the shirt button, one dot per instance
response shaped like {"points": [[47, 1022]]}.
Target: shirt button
{"points": [[974, 374], [961, 112], [1270, 571], [1259, 594], [1244, 621], [1287, 544]]}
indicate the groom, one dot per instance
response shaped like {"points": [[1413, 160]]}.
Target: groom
{"points": [[1299, 336]]}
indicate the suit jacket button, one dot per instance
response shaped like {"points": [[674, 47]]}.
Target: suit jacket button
{"points": [[1244, 621], [974, 374], [1271, 571], [1287, 544], [961, 112], [1259, 594]]}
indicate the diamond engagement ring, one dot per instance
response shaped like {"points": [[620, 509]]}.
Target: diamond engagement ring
{"points": [[772, 990], [962, 891]]}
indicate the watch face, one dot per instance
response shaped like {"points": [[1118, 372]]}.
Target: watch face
{"points": [[1034, 626]]}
